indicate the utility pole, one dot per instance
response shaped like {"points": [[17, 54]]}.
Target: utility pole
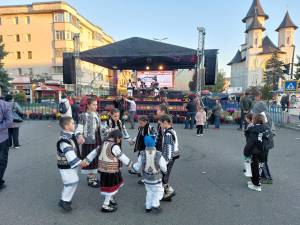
{"points": [[76, 43], [200, 59]]}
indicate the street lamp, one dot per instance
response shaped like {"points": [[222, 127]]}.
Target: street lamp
{"points": [[76, 43]]}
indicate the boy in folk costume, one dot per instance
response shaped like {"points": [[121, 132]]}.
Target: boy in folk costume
{"points": [[67, 162], [152, 163], [89, 128], [161, 110], [170, 152], [110, 161], [145, 129]]}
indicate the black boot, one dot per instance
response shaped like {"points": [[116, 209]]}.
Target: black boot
{"points": [[66, 206]]}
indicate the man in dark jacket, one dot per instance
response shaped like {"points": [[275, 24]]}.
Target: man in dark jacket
{"points": [[6, 120], [191, 109], [246, 105]]}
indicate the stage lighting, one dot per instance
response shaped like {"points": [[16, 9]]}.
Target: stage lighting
{"points": [[161, 67], [147, 67]]}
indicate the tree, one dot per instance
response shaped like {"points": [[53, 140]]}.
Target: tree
{"points": [[220, 83], [266, 92], [4, 79], [273, 72], [297, 72]]}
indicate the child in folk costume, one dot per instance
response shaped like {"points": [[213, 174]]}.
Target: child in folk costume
{"points": [[256, 149], [89, 128], [115, 123], [161, 110], [67, 161], [145, 129], [152, 164], [110, 161], [170, 152], [200, 120]]}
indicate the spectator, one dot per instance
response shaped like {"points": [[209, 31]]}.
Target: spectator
{"points": [[13, 130], [120, 105], [132, 111], [75, 111], [6, 120], [217, 114], [284, 102], [190, 114], [246, 105], [130, 88], [65, 108]]}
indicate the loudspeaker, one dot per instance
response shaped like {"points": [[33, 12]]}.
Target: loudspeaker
{"points": [[69, 72], [211, 69]]}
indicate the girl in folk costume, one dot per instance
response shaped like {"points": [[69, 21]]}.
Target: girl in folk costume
{"points": [[110, 160], [89, 128], [114, 123]]}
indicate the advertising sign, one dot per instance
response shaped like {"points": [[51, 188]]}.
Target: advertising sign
{"points": [[164, 78]]}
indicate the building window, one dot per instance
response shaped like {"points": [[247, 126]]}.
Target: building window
{"points": [[67, 17], [57, 69], [28, 37], [17, 38], [19, 71], [27, 19], [29, 54], [1, 38], [60, 35], [58, 17], [16, 19], [288, 41], [18, 55], [30, 71], [0, 21]]}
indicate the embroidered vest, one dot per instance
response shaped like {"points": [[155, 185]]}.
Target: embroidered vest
{"points": [[107, 162], [62, 162], [150, 165]]}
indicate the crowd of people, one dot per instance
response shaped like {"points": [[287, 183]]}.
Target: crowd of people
{"points": [[95, 146]]}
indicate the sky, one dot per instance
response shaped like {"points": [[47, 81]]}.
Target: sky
{"points": [[177, 20]]}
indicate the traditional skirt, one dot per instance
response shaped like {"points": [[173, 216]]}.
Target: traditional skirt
{"points": [[87, 149], [110, 183]]}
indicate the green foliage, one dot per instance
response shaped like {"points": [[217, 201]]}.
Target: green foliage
{"points": [[20, 97], [297, 72], [4, 79], [273, 72], [266, 92], [219, 86]]}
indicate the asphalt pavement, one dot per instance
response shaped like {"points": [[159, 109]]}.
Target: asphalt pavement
{"points": [[210, 186]]}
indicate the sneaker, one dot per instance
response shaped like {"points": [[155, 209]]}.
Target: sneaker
{"points": [[201, 135], [156, 210], [108, 208], [66, 206], [148, 210], [93, 182], [141, 182], [168, 196], [198, 135], [17, 147], [266, 181], [254, 187]]}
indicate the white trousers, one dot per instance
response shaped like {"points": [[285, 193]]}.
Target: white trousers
{"points": [[70, 180], [129, 92], [154, 194]]}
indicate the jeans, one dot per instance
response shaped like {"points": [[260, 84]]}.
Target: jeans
{"points": [[255, 170], [131, 118], [217, 121], [265, 170], [13, 139], [190, 120], [3, 158]]}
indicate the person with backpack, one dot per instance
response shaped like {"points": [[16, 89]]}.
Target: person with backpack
{"points": [[64, 107], [14, 130], [256, 148]]}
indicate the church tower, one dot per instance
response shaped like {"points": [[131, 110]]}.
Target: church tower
{"points": [[286, 35]]}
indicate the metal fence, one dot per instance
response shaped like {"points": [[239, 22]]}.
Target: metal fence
{"points": [[40, 111]]}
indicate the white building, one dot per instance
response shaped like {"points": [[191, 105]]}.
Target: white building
{"points": [[247, 66]]}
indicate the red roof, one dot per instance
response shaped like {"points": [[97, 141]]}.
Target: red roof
{"points": [[49, 88]]}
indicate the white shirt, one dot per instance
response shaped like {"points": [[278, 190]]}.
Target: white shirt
{"points": [[67, 103], [132, 107]]}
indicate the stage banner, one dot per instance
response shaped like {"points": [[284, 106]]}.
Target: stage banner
{"points": [[164, 78]]}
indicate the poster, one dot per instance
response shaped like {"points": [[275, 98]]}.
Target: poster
{"points": [[164, 78]]}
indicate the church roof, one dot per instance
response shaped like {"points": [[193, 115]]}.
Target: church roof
{"points": [[255, 8], [255, 25], [287, 22], [269, 47], [236, 59]]}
